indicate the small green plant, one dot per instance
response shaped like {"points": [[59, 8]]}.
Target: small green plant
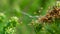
{"points": [[2, 21], [10, 26], [7, 26]]}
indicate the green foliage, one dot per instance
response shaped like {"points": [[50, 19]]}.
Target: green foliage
{"points": [[26, 11], [10, 26]]}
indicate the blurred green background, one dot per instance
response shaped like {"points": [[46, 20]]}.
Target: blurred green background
{"points": [[26, 10]]}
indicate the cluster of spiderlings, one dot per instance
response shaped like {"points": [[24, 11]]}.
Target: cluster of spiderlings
{"points": [[2, 17], [10, 26], [51, 15]]}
